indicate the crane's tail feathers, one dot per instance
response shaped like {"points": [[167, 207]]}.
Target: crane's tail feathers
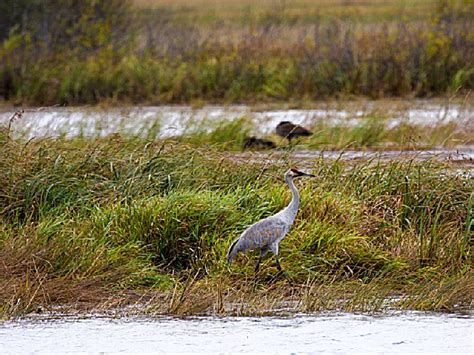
{"points": [[232, 251]]}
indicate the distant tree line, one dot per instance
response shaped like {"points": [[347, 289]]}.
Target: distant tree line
{"points": [[87, 51], [51, 25]]}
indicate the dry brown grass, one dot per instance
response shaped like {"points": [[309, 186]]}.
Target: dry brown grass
{"points": [[233, 9]]}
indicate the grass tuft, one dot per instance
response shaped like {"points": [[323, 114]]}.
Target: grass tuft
{"points": [[102, 222]]}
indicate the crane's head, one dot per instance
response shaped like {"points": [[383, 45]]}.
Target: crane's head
{"points": [[293, 172]]}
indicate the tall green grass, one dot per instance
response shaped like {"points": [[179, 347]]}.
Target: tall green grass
{"points": [[370, 132], [107, 220], [227, 134]]}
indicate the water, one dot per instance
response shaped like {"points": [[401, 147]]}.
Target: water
{"points": [[462, 155], [169, 121], [175, 120], [402, 333]]}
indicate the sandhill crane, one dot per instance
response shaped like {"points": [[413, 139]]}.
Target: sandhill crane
{"points": [[269, 232], [289, 130], [258, 143]]}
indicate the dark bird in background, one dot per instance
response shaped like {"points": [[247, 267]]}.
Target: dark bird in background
{"points": [[258, 143], [289, 130]]}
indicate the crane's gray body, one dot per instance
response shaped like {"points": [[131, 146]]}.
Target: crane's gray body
{"points": [[265, 235]]}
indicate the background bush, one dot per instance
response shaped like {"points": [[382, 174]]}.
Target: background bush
{"points": [[69, 52]]}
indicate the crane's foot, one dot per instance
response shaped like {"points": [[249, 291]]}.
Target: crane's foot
{"points": [[257, 266], [286, 276], [282, 274]]}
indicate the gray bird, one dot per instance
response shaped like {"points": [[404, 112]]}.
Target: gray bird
{"points": [[289, 130], [269, 232]]}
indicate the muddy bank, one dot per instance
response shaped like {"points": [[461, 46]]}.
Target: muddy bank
{"points": [[462, 157]]}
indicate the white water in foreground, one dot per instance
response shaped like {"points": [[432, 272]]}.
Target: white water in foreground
{"points": [[410, 332]]}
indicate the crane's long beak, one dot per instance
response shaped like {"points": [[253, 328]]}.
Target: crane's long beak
{"points": [[305, 174]]}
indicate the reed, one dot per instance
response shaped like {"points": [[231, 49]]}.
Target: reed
{"points": [[100, 223]]}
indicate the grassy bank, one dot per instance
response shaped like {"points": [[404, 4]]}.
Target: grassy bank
{"points": [[102, 223], [173, 54]]}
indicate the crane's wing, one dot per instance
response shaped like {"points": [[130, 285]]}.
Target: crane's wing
{"points": [[301, 131], [258, 236]]}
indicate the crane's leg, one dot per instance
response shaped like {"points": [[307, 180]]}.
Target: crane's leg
{"points": [[263, 252], [277, 262], [274, 249]]}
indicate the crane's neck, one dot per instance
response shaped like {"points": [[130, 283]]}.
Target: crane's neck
{"points": [[291, 210]]}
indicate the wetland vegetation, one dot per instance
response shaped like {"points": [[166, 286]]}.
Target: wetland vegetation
{"points": [[153, 52], [138, 222], [98, 223]]}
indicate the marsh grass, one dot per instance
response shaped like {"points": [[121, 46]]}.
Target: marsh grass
{"points": [[227, 134], [373, 133], [108, 222], [166, 56], [370, 132]]}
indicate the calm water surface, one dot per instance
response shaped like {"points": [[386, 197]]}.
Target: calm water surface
{"points": [[169, 121], [401, 333]]}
